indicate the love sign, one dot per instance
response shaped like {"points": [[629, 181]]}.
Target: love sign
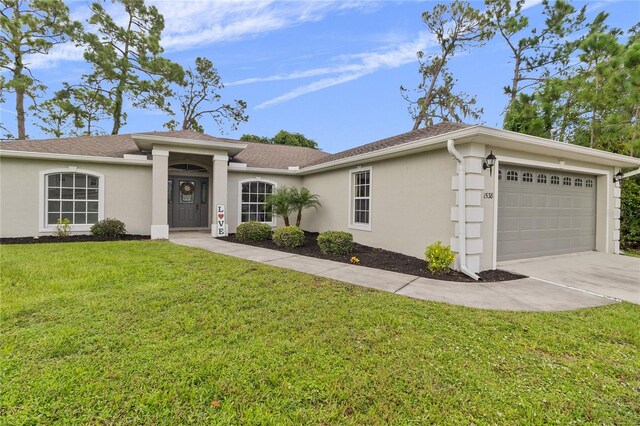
{"points": [[221, 228]]}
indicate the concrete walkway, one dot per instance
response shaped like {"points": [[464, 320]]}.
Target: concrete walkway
{"points": [[519, 295]]}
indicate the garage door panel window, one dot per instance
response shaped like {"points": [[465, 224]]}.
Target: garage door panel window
{"points": [[555, 180], [589, 183], [578, 182], [542, 178], [566, 181], [512, 176], [527, 177], [72, 195]]}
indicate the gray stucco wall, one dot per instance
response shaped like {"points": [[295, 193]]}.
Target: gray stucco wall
{"points": [[411, 200], [127, 194]]}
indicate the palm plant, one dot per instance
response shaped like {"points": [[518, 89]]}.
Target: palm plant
{"points": [[280, 203], [302, 199]]}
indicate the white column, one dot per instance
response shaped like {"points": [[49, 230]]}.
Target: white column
{"points": [[617, 192], [160, 176], [219, 221]]}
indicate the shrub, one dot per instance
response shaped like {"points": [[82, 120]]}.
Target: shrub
{"points": [[63, 228], [439, 258], [629, 213], [288, 236], [108, 228], [335, 242], [253, 231]]}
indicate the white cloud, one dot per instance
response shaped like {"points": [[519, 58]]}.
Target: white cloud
{"points": [[353, 67], [530, 3], [57, 54]]}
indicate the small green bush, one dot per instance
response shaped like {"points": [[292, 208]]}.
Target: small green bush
{"points": [[439, 258], [335, 242], [253, 231], [108, 228], [288, 236], [63, 228]]}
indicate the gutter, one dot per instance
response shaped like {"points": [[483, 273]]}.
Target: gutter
{"points": [[462, 210], [630, 174]]}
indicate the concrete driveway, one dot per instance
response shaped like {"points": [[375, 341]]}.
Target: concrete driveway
{"points": [[608, 275]]}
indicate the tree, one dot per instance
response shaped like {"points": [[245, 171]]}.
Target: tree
{"points": [[30, 27], [282, 138], [303, 199], [200, 99], [456, 26], [127, 59], [279, 202], [55, 115], [539, 54]]}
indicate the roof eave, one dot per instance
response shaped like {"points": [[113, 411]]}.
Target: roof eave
{"points": [[146, 142]]}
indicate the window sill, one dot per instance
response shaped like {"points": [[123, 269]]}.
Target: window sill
{"points": [[360, 227], [73, 228]]}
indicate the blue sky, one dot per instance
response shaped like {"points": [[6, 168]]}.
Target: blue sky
{"points": [[328, 69]]}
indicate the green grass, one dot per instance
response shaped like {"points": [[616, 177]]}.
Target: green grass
{"points": [[632, 252], [152, 333]]}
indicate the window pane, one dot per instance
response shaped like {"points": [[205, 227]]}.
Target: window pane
{"points": [[92, 206], [68, 216], [245, 187], [269, 189], [245, 197], [54, 193], [92, 182], [253, 187], [81, 194], [203, 192], [80, 218], [80, 206], [92, 194], [253, 197], [92, 218], [52, 218], [67, 206], [54, 180], [53, 206], [67, 193], [169, 192], [81, 180], [67, 180]]}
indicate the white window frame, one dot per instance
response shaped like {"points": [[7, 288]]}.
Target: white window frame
{"points": [[274, 218], [43, 198], [352, 224]]}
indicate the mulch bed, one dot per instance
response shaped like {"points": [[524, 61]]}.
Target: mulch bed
{"points": [[70, 239], [380, 259]]}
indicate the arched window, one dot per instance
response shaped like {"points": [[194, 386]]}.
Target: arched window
{"points": [[73, 195], [512, 175], [187, 167], [527, 177], [555, 180], [253, 201], [542, 178]]}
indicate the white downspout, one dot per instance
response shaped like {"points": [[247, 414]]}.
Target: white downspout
{"points": [[633, 173], [462, 210]]}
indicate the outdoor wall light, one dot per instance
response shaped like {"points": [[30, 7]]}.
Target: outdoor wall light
{"points": [[618, 177], [489, 162]]}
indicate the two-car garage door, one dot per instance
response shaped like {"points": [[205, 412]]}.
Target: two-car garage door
{"points": [[544, 212]]}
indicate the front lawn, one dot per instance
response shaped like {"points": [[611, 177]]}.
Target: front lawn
{"points": [[154, 333]]}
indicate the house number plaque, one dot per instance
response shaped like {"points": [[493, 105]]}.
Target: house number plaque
{"points": [[221, 220], [488, 195]]}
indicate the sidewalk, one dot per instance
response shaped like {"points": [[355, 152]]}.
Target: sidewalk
{"points": [[519, 295]]}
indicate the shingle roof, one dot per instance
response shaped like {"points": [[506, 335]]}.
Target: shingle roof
{"points": [[414, 135], [255, 155], [277, 156]]}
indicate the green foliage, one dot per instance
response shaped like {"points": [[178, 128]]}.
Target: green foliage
{"points": [[200, 99], [439, 258], [63, 228], [108, 228], [150, 332], [127, 59], [630, 213], [29, 28], [456, 27], [303, 199], [282, 138], [280, 203], [335, 242], [288, 236], [253, 232]]}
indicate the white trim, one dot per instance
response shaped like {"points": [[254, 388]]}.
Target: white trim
{"points": [[146, 141], [160, 152], [78, 158], [245, 169], [220, 158], [351, 223], [496, 185], [274, 218], [42, 202], [555, 166]]}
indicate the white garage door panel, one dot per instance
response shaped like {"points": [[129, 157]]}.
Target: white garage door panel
{"points": [[544, 212]]}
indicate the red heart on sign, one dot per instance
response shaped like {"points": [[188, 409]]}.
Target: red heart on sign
{"points": [[220, 215]]}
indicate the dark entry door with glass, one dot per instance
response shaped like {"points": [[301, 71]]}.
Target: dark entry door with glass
{"points": [[188, 202]]}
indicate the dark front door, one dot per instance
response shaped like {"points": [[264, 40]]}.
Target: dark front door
{"points": [[188, 202]]}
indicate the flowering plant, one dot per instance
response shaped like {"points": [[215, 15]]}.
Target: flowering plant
{"points": [[354, 260]]}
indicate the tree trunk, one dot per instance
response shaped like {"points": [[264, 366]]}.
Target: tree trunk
{"points": [[117, 105], [20, 113], [117, 110], [299, 218], [286, 220]]}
